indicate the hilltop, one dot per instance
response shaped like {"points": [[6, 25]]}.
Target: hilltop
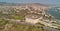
{"points": [[12, 15]]}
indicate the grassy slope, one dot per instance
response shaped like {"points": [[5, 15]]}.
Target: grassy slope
{"points": [[18, 27]]}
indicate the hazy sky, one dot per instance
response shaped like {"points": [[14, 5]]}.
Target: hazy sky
{"points": [[33, 1]]}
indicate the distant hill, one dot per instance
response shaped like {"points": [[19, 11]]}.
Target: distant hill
{"points": [[18, 4]]}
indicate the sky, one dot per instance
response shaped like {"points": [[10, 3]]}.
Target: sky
{"points": [[32, 1]]}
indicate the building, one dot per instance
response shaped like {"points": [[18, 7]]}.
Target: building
{"points": [[32, 18]]}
